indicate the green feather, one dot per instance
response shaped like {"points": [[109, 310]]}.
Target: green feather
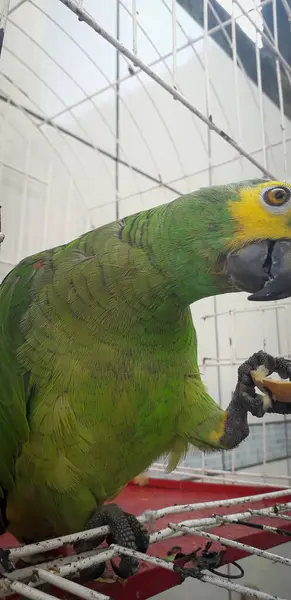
{"points": [[98, 366]]}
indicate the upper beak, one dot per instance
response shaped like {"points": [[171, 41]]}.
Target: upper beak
{"points": [[263, 268]]}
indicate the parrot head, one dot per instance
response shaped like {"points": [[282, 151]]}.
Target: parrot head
{"points": [[229, 238], [259, 256]]}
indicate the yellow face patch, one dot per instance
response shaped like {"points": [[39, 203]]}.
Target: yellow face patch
{"points": [[254, 219]]}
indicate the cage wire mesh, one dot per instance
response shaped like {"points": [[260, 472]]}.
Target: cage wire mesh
{"points": [[107, 108], [26, 581]]}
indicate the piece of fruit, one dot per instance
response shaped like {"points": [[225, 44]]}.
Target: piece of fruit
{"points": [[280, 390]]}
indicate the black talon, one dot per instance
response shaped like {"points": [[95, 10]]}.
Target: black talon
{"points": [[90, 574], [5, 562], [245, 391], [245, 399], [128, 566], [141, 534], [255, 361], [125, 530], [283, 368]]}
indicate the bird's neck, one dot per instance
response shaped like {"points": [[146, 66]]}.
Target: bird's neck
{"points": [[179, 245]]}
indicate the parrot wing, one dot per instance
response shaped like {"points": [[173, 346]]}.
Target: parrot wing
{"points": [[16, 292]]}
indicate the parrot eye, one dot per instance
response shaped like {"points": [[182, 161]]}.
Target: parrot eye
{"points": [[276, 196]]}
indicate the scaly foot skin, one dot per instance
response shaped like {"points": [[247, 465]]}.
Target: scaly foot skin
{"points": [[245, 399], [125, 530]]}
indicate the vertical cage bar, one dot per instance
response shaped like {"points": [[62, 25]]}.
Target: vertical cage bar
{"points": [[1, 174], [233, 358], [117, 113], [210, 180], [285, 417], [282, 117], [280, 89], [23, 203], [3, 20], [264, 428], [67, 210], [287, 9], [261, 104], [134, 26], [236, 83], [207, 88], [174, 40], [203, 462], [47, 204]]}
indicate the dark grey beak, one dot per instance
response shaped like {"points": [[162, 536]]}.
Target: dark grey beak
{"points": [[262, 268]]}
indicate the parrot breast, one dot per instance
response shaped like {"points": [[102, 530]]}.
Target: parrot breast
{"points": [[99, 415]]}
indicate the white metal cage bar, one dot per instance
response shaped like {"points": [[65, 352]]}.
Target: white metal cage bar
{"points": [[86, 18], [26, 581], [4, 10], [163, 57], [218, 581], [56, 571]]}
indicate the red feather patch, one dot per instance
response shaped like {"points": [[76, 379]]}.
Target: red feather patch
{"points": [[38, 264]]}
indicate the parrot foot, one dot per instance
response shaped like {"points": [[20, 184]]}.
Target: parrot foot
{"points": [[245, 394], [125, 530], [245, 399]]}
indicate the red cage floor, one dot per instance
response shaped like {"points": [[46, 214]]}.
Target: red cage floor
{"points": [[159, 493]]}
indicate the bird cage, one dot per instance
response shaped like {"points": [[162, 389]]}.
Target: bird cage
{"points": [[108, 108]]}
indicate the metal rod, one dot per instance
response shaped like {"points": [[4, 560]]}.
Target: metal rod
{"points": [[205, 471], [3, 21], [273, 515], [67, 566], [16, 6], [232, 544], [70, 586], [287, 9], [28, 573], [263, 527], [117, 113], [222, 519], [53, 544], [134, 27], [225, 476], [47, 545], [174, 43], [213, 580], [53, 91], [280, 89], [261, 103], [86, 18], [104, 75], [2, 236], [85, 563], [16, 587], [76, 137], [236, 80], [162, 58], [165, 533], [275, 50], [170, 510]]}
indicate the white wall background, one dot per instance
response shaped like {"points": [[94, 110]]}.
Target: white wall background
{"points": [[53, 188]]}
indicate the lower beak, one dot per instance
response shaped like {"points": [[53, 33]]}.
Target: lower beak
{"points": [[262, 268]]}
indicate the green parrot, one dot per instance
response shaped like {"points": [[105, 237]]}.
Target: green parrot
{"points": [[98, 354]]}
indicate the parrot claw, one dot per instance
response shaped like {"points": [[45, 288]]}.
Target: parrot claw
{"points": [[280, 365], [89, 574], [245, 391], [5, 563], [245, 399], [125, 530]]}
